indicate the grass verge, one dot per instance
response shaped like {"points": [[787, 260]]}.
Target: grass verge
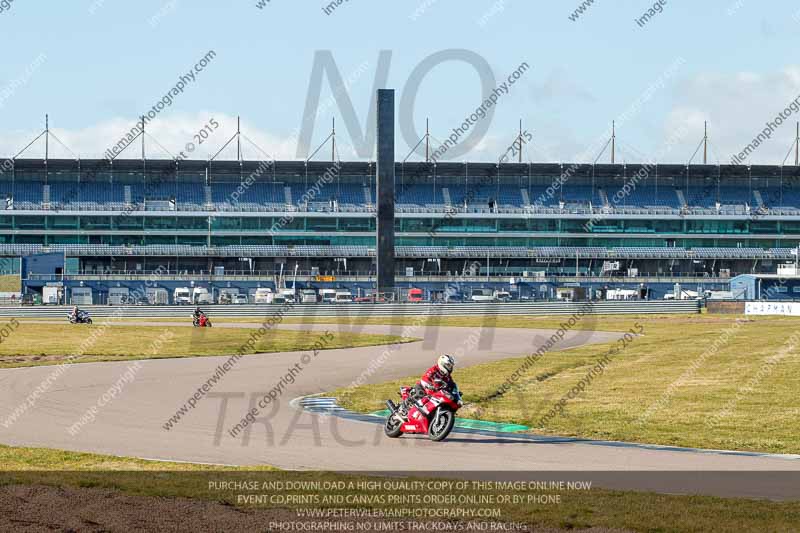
{"points": [[33, 344], [576, 509], [707, 381]]}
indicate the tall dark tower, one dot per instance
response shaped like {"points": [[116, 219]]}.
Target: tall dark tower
{"points": [[385, 190]]}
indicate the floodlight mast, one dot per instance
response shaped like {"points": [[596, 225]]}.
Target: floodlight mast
{"points": [[613, 140], [705, 142]]}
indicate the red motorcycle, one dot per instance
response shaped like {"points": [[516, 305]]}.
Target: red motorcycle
{"points": [[434, 414], [201, 322]]}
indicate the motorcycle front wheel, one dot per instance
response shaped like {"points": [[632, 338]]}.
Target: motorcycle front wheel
{"points": [[392, 427], [441, 425], [88, 320]]}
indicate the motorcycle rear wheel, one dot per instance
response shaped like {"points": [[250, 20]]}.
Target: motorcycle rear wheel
{"points": [[392, 427], [441, 425]]}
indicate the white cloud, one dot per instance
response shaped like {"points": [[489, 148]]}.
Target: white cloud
{"points": [[172, 131], [736, 106]]}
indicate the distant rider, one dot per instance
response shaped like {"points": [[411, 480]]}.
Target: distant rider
{"points": [[200, 317]]}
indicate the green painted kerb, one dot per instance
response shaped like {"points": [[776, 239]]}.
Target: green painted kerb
{"points": [[468, 423]]}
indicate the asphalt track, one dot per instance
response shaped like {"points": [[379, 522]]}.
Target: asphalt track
{"points": [[132, 424]]}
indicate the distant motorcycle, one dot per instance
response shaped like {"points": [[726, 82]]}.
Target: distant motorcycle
{"points": [[201, 322], [435, 414], [81, 318]]}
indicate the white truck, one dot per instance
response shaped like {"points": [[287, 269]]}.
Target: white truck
{"points": [[482, 295], [308, 296], [227, 295], [278, 299], [718, 295], [328, 296], [622, 294], [288, 295], [683, 294], [502, 296], [182, 296], [263, 295], [343, 297], [200, 296]]}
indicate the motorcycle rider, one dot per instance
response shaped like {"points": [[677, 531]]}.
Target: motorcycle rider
{"points": [[78, 316], [436, 378], [199, 317]]}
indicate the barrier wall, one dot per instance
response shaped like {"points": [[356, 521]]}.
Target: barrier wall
{"points": [[366, 309], [725, 308]]}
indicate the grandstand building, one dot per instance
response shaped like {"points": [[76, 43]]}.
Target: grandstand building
{"points": [[243, 224]]}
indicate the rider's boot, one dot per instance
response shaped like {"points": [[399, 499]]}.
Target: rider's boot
{"points": [[402, 409]]}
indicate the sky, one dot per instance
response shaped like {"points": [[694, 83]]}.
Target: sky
{"points": [[94, 66]]}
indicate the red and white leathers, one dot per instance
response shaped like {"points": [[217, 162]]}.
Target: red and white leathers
{"points": [[434, 379]]}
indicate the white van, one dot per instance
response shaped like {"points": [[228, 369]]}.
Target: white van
{"points": [[288, 295], [502, 296], [200, 296], [343, 297], [308, 296], [328, 296], [182, 296], [263, 296], [482, 295]]}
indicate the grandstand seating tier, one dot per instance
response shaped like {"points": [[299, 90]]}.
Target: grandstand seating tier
{"points": [[262, 196]]}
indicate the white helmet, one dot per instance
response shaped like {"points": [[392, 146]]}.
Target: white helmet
{"points": [[446, 363]]}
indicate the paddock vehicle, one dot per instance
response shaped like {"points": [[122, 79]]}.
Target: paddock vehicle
{"points": [[434, 414], [328, 296], [502, 296], [289, 295], [263, 295], [415, 295], [343, 297], [182, 296], [308, 296], [200, 295], [482, 295], [227, 295], [225, 298], [81, 318]]}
